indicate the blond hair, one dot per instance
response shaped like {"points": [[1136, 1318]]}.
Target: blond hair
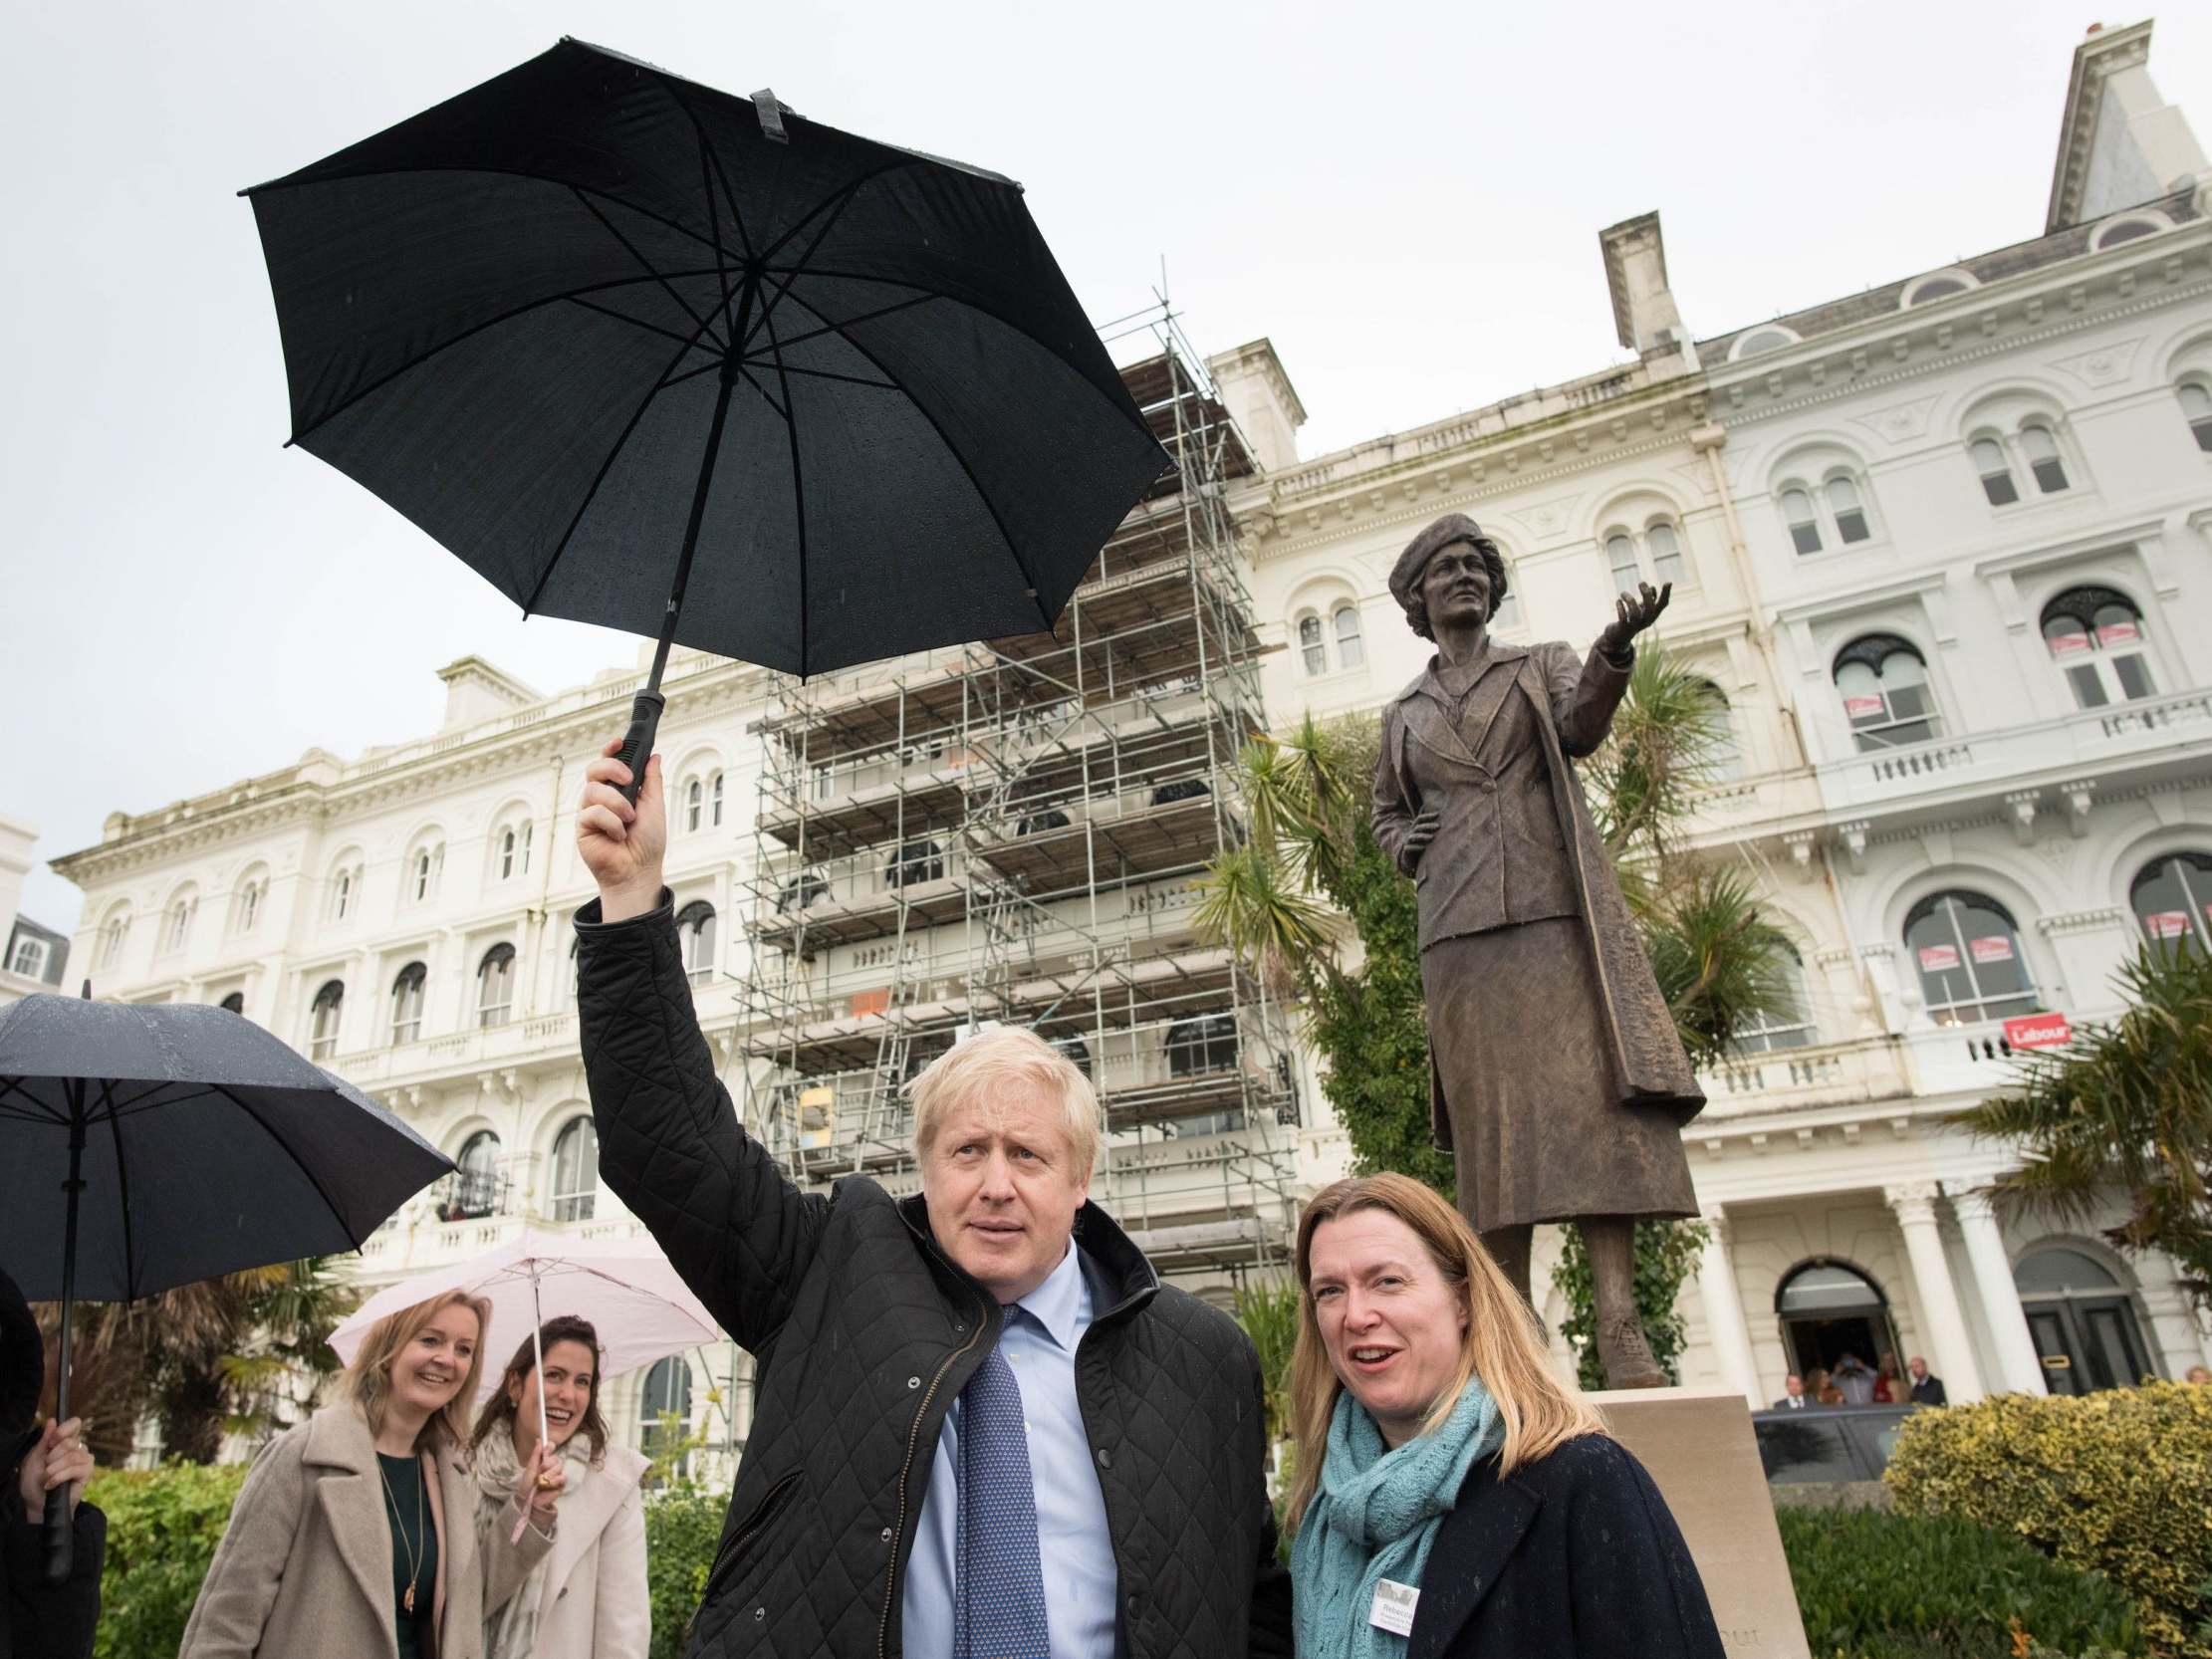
{"points": [[1503, 1345], [369, 1378], [974, 1070]]}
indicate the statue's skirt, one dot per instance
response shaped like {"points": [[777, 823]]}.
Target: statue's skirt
{"points": [[1516, 1029]]}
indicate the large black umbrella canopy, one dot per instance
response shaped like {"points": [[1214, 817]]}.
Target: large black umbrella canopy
{"points": [[588, 313], [203, 1145], [149, 1145]]}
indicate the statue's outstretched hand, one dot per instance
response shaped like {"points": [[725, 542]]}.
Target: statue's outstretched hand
{"points": [[1632, 613]]}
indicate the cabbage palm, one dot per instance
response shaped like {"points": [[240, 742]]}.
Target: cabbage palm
{"points": [[2126, 1108]]}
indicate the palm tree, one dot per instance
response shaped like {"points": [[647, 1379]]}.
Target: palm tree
{"points": [[2125, 1110]]}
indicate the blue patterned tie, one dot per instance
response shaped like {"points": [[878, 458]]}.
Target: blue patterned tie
{"points": [[999, 1610]]}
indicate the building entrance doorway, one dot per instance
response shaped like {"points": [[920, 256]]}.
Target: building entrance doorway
{"points": [[1828, 1310], [2082, 1322]]}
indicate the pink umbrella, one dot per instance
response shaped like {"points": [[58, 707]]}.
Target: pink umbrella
{"points": [[634, 1299]]}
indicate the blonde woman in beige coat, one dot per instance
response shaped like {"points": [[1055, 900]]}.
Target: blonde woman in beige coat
{"points": [[589, 1599], [353, 1536]]}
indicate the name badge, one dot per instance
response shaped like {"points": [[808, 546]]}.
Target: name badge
{"points": [[1393, 1608]]}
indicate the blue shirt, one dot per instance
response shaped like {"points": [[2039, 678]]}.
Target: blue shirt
{"points": [[1074, 1545]]}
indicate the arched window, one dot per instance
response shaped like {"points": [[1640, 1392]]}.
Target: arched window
{"points": [[1506, 612], [575, 1171], [112, 933], [2082, 1320], [1968, 954], [2172, 900], [1206, 1044], [1665, 547], [1884, 682], [2130, 229], [235, 1003], [1994, 469], [714, 801], [1772, 339], [495, 986], [695, 937], [472, 1190], [1077, 1050], [914, 862], [1782, 1020], [425, 872], [1620, 559], [177, 927], [1351, 650], [1722, 756], [2096, 636], [322, 1039], [2196, 409], [1181, 789], [1936, 288], [246, 908], [514, 850], [2042, 450], [1830, 1309], [1312, 653], [665, 1409], [694, 805], [344, 891], [407, 1002], [804, 890], [1803, 523], [1847, 508]]}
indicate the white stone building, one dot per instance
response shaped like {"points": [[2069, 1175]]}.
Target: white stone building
{"points": [[1939, 544], [1965, 722], [33, 957]]}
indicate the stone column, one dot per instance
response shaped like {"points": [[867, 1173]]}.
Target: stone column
{"points": [[2018, 1369], [1951, 1354], [1724, 1309]]}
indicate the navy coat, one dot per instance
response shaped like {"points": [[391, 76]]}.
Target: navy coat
{"points": [[1574, 1557]]}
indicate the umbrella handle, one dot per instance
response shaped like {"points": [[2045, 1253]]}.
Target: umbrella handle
{"points": [[638, 742], [60, 1537]]}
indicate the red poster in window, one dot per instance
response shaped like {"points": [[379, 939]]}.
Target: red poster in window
{"points": [[2039, 1031], [2167, 924], [2062, 643], [1991, 950], [866, 1002], [2117, 633], [1862, 708], [1936, 958]]}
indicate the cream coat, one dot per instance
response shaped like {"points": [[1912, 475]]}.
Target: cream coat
{"points": [[306, 1566], [594, 1603]]}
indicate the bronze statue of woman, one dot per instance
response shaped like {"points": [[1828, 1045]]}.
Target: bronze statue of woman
{"points": [[1556, 1077]]}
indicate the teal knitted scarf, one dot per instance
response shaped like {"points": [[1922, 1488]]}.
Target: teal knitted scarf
{"points": [[1374, 1516]]}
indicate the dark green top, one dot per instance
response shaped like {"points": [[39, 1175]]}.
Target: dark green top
{"points": [[407, 1508]]}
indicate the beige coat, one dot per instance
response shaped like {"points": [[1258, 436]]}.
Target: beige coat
{"points": [[306, 1566], [594, 1603]]}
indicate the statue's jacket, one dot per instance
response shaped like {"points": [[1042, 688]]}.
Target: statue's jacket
{"points": [[1515, 841]]}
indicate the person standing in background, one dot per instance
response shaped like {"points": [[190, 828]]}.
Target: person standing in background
{"points": [[588, 1598], [1927, 1389], [355, 1536], [39, 1620]]}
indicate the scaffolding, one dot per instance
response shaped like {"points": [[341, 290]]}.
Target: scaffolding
{"points": [[1013, 832]]}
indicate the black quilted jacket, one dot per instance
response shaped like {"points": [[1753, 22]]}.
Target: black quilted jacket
{"points": [[865, 1333]]}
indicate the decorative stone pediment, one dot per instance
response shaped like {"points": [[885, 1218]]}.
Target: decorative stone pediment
{"points": [[1900, 423], [2106, 365]]}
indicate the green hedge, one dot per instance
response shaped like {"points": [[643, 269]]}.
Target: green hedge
{"points": [[163, 1529], [2120, 1482], [1877, 1585], [682, 1526]]}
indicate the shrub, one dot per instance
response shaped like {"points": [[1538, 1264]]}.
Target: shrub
{"points": [[1877, 1585], [2119, 1482], [163, 1529], [683, 1527]]}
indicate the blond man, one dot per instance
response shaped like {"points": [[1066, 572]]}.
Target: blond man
{"points": [[984, 1429]]}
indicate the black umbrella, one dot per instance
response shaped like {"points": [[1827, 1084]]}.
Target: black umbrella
{"points": [[152, 1145], [589, 321]]}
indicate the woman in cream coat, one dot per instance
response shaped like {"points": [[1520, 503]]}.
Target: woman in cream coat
{"points": [[316, 1558], [589, 1599]]}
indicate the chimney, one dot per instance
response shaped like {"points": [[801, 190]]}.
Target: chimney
{"points": [[1643, 310], [2120, 143], [1261, 401]]}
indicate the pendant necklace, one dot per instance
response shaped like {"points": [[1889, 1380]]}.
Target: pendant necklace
{"points": [[414, 1564]]}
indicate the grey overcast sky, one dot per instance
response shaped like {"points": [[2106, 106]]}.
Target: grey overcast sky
{"points": [[1404, 197]]}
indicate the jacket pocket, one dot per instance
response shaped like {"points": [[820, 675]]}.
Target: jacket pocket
{"points": [[743, 1537]]}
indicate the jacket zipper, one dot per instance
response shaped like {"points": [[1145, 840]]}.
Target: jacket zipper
{"points": [[735, 1547], [898, 1528]]}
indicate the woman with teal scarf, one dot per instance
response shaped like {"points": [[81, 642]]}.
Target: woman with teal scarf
{"points": [[1453, 1497]]}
